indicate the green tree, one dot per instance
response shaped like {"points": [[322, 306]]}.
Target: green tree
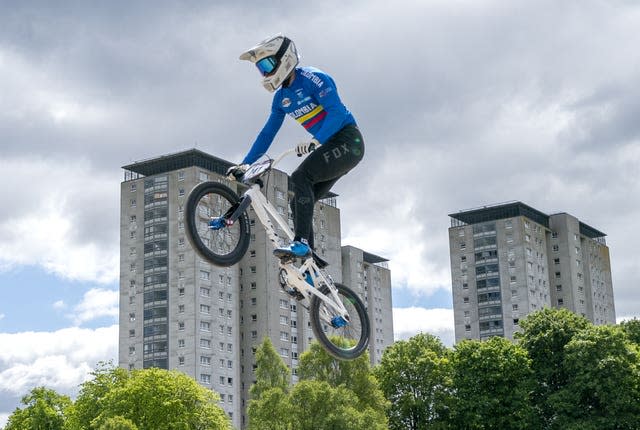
{"points": [[415, 376], [492, 381], [544, 336], [269, 404], [602, 391], [314, 402], [271, 372], [272, 411], [44, 410], [88, 404], [632, 329], [355, 375], [318, 406], [118, 423], [157, 399]]}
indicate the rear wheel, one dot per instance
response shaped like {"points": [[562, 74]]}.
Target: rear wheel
{"points": [[344, 340], [226, 245]]}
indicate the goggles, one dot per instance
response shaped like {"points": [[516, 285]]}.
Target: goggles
{"points": [[267, 65]]}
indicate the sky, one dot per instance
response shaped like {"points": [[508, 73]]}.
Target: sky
{"points": [[462, 104]]}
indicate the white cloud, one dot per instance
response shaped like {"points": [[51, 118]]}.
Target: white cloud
{"points": [[59, 304], [65, 222], [96, 303], [408, 322], [60, 360], [2, 316]]}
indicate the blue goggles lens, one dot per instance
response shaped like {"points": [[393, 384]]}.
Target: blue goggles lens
{"points": [[266, 65]]}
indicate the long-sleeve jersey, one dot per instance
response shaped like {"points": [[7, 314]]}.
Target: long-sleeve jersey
{"points": [[312, 99]]}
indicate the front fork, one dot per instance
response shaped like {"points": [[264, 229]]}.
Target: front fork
{"points": [[232, 215]]}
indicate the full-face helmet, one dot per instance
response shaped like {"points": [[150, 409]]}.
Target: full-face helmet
{"points": [[275, 58]]}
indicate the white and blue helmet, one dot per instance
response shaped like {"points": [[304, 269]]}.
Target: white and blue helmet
{"points": [[275, 58]]}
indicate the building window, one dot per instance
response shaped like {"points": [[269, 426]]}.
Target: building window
{"points": [[205, 378], [560, 302]]}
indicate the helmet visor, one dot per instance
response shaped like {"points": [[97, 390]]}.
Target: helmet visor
{"points": [[267, 65]]}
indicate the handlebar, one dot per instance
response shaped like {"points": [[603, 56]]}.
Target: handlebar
{"points": [[258, 168]]}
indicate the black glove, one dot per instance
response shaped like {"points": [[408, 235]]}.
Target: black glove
{"points": [[235, 173]]}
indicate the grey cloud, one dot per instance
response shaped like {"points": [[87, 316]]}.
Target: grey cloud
{"points": [[471, 103]]}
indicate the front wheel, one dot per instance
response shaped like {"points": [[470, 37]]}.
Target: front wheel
{"points": [[222, 245], [344, 340]]}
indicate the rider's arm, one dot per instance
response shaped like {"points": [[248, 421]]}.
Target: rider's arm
{"points": [[326, 92], [268, 133]]}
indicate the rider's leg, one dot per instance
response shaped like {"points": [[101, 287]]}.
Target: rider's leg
{"points": [[322, 168]]}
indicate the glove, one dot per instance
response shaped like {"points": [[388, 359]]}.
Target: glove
{"points": [[235, 172], [306, 147]]}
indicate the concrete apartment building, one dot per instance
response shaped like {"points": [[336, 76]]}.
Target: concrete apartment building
{"points": [[177, 311], [508, 260]]}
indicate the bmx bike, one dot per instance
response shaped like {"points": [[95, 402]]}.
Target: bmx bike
{"points": [[218, 228]]}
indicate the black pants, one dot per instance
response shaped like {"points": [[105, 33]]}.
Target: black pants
{"points": [[315, 176]]}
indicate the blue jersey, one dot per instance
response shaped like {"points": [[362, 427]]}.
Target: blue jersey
{"points": [[312, 99]]}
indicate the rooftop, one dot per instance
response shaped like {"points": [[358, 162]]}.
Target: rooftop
{"points": [[178, 160], [509, 210]]}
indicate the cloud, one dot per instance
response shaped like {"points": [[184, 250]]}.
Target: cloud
{"points": [[96, 303], [408, 322], [65, 220], [60, 360]]}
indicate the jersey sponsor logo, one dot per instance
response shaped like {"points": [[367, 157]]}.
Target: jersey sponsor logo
{"points": [[313, 78], [325, 92], [286, 102], [303, 110]]}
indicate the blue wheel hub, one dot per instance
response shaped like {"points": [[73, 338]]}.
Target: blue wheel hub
{"points": [[217, 223], [338, 322]]}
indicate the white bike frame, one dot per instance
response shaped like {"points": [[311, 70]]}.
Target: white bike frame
{"points": [[294, 276]]}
